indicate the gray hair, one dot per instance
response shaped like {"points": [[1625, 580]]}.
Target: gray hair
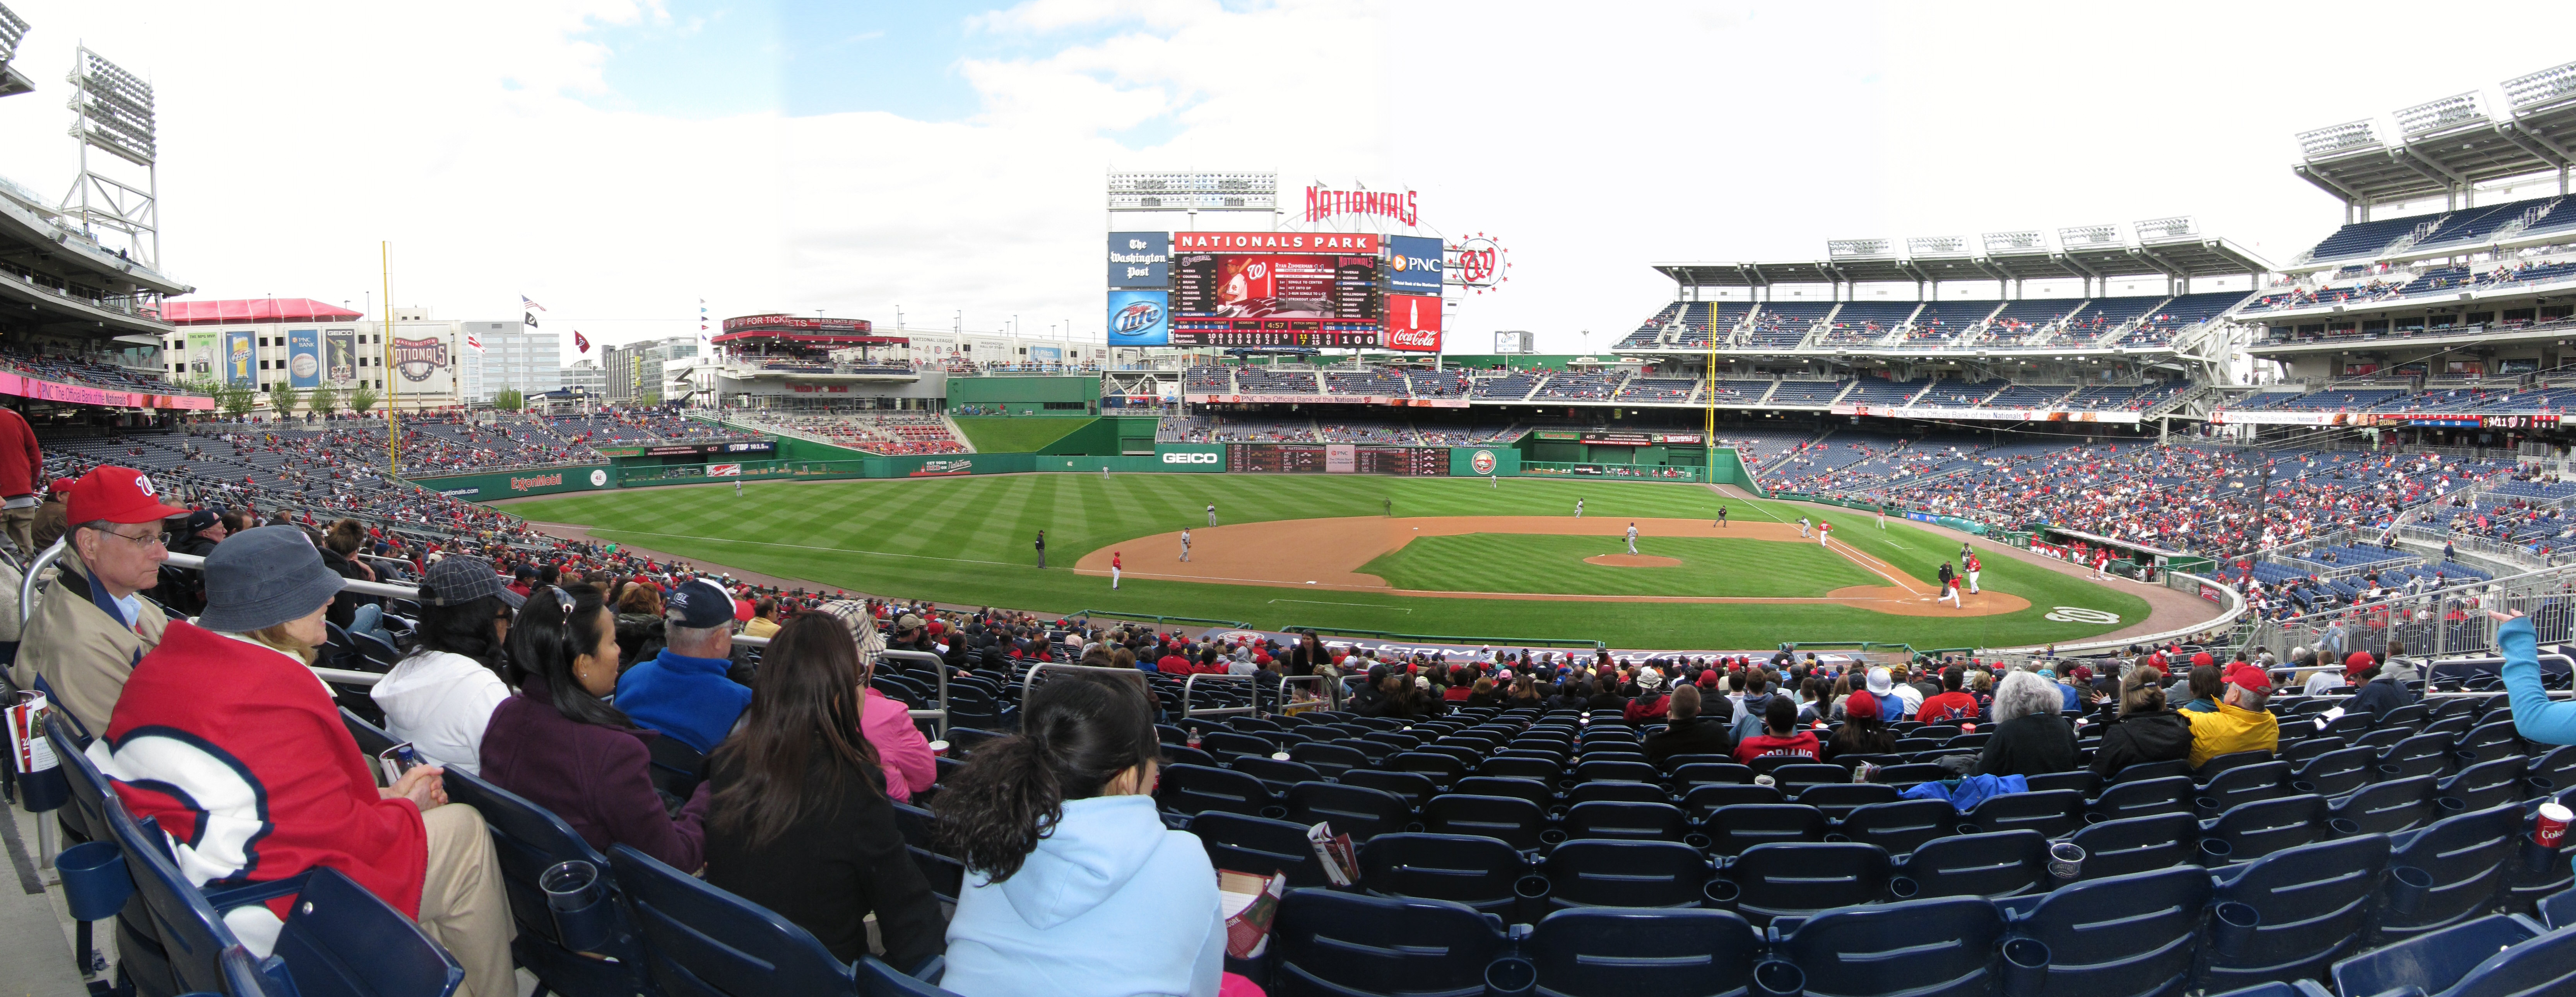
{"points": [[2024, 693], [690, 640]]}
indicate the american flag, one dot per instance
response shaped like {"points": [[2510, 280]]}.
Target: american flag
{"points": [[529, 304], [579, 344]]}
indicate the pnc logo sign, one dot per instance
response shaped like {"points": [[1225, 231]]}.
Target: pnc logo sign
{"points": [[1189, 458]]}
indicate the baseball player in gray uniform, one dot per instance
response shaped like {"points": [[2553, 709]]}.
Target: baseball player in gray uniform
{"points": [[1632, 538], [1185, 543]]}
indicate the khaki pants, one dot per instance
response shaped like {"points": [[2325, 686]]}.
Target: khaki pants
{"points": [[21, 525], [461, 902]]}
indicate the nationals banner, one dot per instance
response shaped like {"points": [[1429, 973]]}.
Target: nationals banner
{"points": [[1365, 243], [304, 358], [340, 354], [1412, 323]]}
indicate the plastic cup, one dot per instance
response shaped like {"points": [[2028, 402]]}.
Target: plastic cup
{"points": [[2066, 860]]}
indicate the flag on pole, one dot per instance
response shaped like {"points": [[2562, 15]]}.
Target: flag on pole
{"points": [[473, 341], [530, 304], [579, 345], [528, 320], [702, 318]]}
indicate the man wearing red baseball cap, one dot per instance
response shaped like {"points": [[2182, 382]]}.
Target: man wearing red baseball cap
{"points": [[2241, 723], [91, 628]]}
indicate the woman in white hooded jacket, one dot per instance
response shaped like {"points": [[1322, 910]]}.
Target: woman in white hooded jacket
{"points": [[441, 694], [1074, 887]]}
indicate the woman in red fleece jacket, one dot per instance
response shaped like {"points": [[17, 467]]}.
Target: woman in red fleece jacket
{"points": [[230, 742]]}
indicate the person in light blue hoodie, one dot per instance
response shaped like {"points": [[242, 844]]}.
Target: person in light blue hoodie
{"points": [[2535, 717], [1074, 888]]}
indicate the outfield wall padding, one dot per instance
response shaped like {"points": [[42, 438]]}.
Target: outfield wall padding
{"points": [[514, 484]]}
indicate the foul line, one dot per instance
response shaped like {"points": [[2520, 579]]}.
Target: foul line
{"points": [[1854, 556]]}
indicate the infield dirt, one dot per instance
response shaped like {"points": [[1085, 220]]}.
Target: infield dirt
{"points": [[1328, 553]]}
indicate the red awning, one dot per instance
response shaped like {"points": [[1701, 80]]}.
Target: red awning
{"points": [[247, 310], [814, 339]]}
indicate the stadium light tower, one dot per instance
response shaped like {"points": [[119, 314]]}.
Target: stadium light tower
{"points": [[12, 28], [112, 112]]}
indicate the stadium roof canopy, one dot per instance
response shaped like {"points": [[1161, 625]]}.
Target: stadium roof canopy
{"points": [[2448, 145], [2183, 257], [253, 310]]}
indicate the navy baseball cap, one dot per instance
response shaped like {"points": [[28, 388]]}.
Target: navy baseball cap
{"points": [[699, 604]]}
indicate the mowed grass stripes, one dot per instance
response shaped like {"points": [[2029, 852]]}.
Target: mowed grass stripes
{"points": [[1520, 562], [968, 540]]}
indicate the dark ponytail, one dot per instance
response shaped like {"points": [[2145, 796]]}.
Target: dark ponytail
{"points": [[1077, 732]]}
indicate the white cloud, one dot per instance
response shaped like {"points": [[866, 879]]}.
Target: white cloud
{"points": [[1593, 142]]}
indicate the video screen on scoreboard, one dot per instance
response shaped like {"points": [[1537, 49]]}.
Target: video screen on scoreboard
{"points": [[1336, 458], [1288, 286]]}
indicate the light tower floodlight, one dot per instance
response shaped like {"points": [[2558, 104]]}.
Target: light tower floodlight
{"points": [[112, 112], [2523, 91], [2319, 142], [12, 28], [2431, 116]]}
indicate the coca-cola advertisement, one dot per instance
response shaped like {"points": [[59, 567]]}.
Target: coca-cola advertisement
{"points": [[1412, 323]]}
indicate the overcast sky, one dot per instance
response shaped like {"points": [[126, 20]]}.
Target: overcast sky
{"points": [[618, 160]]}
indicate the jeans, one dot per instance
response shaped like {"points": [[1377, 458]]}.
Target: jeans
{"points": [[371, 619]]}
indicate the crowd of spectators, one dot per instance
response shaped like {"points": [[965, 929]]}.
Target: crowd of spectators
{"points": [[872, 431]]}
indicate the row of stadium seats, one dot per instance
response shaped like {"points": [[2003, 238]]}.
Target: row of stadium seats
{"points": [[2134, 321]]}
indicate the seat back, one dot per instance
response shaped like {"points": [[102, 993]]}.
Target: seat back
{"points": [[1330, 759], [1838, 799], [2466, 856], [1259, 845], [340, 941], [1474, 870], [2222, 764], [2143, 798], [526, 841], [1273, 773], [1190, 789], [704, 942], [2138, 844], [945, 874], [2488, 784], [1358, 811], [1442, 769], [2423, 754], [372, 740], [2053, 813], [1349, 945], [192, 935], [1705, 798], [1796, 879], [2390, 807], [1611, 952], [2311, 903], [1703, 773], [2431, 962], [1519, 767], [2256, 829], [2244, 783], [1605, 873], [1922, 948], [1625, 821], [1622, 792], [1993, 864], [1415, 788], [2337, 772], [2127, 934], [1511, 820], [2151, 770], [1899, 827], [1539, 794], [1733, 830]]}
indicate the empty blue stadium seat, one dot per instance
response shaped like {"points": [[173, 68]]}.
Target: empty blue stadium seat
{"points": [[1258, 845], [700, 941], [1511, 820], [1798, 879], [340, 941], [2311, 904], [2463, 855], [526, 841], [1327, 944], [2434, 961], [1611, 952], [2121, 936], [1603, 873], [1992, 865], [1919, 948], [1479, 872]]}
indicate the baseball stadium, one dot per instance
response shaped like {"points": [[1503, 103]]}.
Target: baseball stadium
{"points": [[2105, 610]]}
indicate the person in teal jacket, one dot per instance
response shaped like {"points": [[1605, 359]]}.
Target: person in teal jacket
{"points": [[2535, 716]]}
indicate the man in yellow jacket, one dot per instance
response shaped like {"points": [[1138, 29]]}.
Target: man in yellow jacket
{"points": [[2241, 723]]}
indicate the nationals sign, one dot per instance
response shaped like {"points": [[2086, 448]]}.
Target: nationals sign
{"points": [[1323, 203], [416, 359]]}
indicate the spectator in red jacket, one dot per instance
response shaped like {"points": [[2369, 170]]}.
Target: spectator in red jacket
{"points": [[224, 737], [21, 460], [1651, 702], [1780, 735], [1952, 705]]}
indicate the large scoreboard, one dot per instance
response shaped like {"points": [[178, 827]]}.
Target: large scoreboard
{"points": [[1332, 290], [1337, 458]]}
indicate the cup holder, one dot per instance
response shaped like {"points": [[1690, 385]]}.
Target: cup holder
{"points": [[1722, 892], [584, 916], [1551, 836], [1837, 839], [1779, 978], [2342, 827], [2025, 966], [2214, 852], [95, 881], [2231, 925], [2407, 886], [1532, 888], [2302, 786], [1903, 887], [1697, 841], [2451, 804], [1510, 978], [1275, 813]]}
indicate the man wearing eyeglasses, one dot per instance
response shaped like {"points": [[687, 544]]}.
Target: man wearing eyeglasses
{"points": [[92, 626]]}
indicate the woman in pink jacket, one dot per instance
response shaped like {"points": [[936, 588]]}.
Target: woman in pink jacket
{"points": [[886, 722]]}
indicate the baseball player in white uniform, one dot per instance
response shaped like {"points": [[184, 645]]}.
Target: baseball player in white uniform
{"points": [[1578, 508], [1974, 566], [1882, 517], [1211, 514], [1185, 543], [1805, 528], [1824, 534], [737, 488], [1632, 538]]}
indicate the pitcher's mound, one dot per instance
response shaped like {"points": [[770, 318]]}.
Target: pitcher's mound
{"points": [[1633, 561]]}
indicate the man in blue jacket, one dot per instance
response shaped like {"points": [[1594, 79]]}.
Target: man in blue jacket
{"points": [[2535, 717], [683, 691]]}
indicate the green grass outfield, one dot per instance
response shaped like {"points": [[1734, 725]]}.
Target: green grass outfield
{"points": [[1017, 434], [1516, 562], [967, 540]]}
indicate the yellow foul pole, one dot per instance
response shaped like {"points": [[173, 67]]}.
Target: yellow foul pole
{"points": [[385, 345]]}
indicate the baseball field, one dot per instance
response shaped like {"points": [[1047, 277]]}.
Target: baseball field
{"points": [[1434, 556]]}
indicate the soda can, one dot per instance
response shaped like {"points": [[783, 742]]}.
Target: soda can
{"points": [[2552, 824]]}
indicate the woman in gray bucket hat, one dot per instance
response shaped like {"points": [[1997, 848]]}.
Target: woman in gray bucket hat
{"points": [[886, 722]]}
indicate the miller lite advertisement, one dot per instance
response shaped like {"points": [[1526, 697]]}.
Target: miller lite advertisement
{"points": [[1140, 318], [1412, 323]]}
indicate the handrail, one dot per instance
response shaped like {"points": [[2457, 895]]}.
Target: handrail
{"points": [[1189, 688], [27, 585], [937, 666], [1158, 619], [357, 585], [1030, 675], [1328, 692]]}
